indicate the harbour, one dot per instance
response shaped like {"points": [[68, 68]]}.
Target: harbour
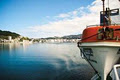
{"points": [[60, 40], [43, 61]]}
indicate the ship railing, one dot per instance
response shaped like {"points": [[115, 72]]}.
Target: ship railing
{"points": [[95, 77], [116, 72], [101, 25]]}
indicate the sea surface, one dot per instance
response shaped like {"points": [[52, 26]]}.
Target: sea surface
{"points": [[43, 61]]}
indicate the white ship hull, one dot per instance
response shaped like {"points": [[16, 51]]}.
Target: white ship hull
{"points": [[101, 55]]}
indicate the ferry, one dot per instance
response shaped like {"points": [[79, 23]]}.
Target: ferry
{"points": [[100, 46]]}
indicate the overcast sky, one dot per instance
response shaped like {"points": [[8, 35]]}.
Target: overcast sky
{"points": [[45, 18]]}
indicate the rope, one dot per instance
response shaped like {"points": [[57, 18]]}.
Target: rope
{"points": [[89, 63], [91, 36]]}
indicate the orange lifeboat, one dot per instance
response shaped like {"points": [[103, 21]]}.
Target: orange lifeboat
{"points": [[100, 45], [100, 34]]}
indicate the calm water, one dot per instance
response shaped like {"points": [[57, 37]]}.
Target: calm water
{"points": [[43, 62]]}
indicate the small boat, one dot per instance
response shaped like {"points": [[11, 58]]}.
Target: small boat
{"points": [[100, 44]]}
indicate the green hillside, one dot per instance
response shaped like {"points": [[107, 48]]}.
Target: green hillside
{"points": [[5, 34]]}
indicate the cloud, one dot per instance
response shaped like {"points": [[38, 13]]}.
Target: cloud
{"points": [[63, 15], [72, 22], [72, 14], [47, 16]]}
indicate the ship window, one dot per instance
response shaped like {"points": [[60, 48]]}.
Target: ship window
{"points": [[106, 33]]}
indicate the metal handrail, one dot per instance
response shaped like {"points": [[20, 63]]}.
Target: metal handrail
{"points": [[102, 24], [116, 76]]}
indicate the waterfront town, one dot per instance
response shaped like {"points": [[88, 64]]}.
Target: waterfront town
{"points": [[39, 40], [11, 37]]}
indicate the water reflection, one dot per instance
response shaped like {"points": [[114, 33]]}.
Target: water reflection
{"points": [[9, 46], [43, 62]]}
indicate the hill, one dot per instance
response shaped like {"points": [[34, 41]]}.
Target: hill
{"points": [[5, 34], [72, 36], [66, 37]]}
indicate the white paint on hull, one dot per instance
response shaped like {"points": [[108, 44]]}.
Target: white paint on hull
{"points": [[105, 54], [98, 44]]}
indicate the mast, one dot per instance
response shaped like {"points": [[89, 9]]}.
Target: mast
{"points": [[103, 13], [108, 13]]}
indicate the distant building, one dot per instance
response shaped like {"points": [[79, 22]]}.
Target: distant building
{"points": [[10, 38]]}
